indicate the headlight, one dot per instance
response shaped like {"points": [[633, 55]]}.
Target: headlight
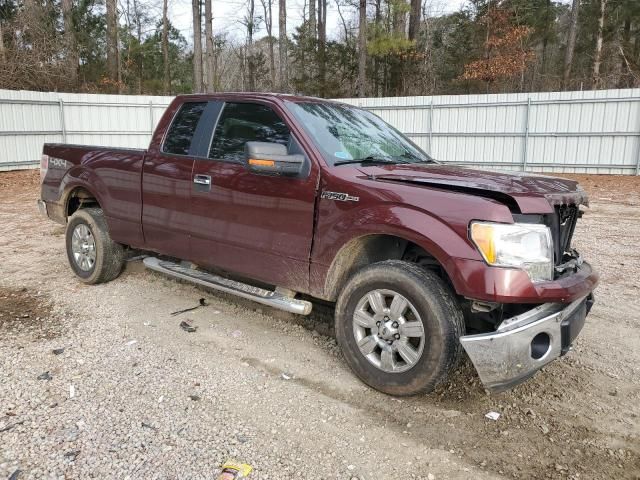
{"points": [[520, 245]]}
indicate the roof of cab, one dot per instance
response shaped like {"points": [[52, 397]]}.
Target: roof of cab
{"points": [[255, 96]]}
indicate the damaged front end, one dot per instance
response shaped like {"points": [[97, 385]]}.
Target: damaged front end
{"points": [[526, 342]]}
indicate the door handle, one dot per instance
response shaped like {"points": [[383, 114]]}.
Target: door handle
{"points": [[202, 179]]}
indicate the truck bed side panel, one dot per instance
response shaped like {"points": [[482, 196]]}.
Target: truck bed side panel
{"points": [[112, 175]]}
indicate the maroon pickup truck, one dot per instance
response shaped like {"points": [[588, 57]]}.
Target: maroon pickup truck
{"points": [[286, 200]]}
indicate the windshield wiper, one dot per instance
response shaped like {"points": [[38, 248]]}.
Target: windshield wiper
{"points": [[370, 160]]}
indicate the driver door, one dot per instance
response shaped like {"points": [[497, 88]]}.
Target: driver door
{"points": [[253, 225]]}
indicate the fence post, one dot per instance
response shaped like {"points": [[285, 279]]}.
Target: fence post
{"points": [[525, 147], [63, 128], [151, 116], [431, 128], [638, 158]]}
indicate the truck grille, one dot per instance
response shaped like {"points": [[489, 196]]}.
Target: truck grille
{"points": [[562, 228]]}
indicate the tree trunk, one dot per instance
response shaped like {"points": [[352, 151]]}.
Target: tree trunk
{"points": [[208, 32], [625, 77], [3, 55], [267, 7], [250, 59], [139, 37], [362, 47], [69, 40], [571, 44], [112, 40], [312, 19], [597, 55], [197, 46], [322, 44], [165, 47], [282, 47], [414, 19]]}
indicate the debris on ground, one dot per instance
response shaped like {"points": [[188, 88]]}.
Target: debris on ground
{"points": [[201, 303], [10, 426], [232, 470], [45, 376], [72, 454], [194, 397], [58, 351], [286, 376], [187, 326], [16, 474], [131, 342], [492, 415], [72, 391]]}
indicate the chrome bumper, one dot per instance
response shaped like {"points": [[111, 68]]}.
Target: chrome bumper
{"points": [[525, 343]]}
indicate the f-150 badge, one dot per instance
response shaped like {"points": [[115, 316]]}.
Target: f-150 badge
{"points": [[342, 197]]}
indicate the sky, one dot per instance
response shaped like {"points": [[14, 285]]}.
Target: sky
{"points": [[227, 15]]}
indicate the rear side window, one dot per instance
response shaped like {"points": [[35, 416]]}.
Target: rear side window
{"points": [[240, 123], [180, 134]]}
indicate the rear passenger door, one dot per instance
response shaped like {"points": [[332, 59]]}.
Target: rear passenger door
{"points": [[167, 180], [256, 226]]}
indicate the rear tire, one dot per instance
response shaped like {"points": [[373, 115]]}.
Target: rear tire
{"points": [[93, 256], [399, 327]]}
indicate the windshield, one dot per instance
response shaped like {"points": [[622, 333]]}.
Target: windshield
{"points": [[346, 134]]}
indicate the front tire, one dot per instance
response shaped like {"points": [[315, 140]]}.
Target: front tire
{"points": [[399, 325], [93, 256]]}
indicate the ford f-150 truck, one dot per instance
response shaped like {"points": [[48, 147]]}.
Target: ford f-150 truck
{"points": [[288, 200]]}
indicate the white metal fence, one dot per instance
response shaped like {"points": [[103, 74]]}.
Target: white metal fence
{"points": [[572, 132]]}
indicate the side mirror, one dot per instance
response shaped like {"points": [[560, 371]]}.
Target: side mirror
{"points": [[272, 159]]}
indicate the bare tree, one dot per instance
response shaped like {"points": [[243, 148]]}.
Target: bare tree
{"points": [[322, 45], [597, 55], [209, 54], [69, 40], [362, 47], [414, 19], [282, 47], [3, 55], [165, 47], [571, 44], [312, 18], [197, 46], [113, 62], [268, 22], [250, 24]]}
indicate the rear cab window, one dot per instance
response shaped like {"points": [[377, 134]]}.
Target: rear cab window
{"points": [[246, 122], [183, 128]]}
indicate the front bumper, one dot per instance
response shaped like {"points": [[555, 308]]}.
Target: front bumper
{"points": [[525, 343]]}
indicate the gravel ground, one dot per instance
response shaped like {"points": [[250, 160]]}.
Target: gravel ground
{"points": [[100, 381]]}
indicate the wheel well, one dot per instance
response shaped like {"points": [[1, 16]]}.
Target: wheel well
{"points": [[370, 249], [80, 198]]}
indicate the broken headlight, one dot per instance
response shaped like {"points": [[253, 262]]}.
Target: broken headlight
{"points": [[527, 246]]}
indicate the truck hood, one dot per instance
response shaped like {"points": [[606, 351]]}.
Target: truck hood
{"points": [[530, 193]]}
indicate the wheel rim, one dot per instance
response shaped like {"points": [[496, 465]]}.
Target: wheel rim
{"points": [[83, 247], [389, 331]]}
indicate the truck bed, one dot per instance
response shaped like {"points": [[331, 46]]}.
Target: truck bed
{"points": [[113, 175]]}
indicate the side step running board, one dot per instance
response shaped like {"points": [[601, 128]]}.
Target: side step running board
{"points": [[257, 294]]}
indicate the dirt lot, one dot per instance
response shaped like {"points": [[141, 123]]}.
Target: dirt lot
{"points": [[133, 396]]}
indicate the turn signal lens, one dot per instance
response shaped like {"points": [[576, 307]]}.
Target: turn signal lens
{"points": [[482, 235], [44, 166], [262, 163]]}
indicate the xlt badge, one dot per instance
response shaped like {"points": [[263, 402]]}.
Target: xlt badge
{"points": [[342, 197]]}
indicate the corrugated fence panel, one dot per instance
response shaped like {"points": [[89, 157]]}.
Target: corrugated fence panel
{"points": [[572, 132], [590, 131]]}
